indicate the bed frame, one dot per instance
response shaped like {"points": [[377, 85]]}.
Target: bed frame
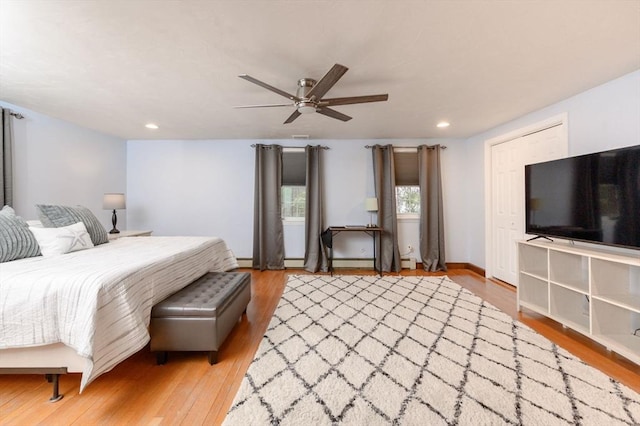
{"points": [[50, 360]]}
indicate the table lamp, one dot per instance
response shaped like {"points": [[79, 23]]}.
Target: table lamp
{"points": [[113, 201], [371, 204]]}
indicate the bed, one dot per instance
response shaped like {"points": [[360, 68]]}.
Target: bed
{"points": [[88, 310]]}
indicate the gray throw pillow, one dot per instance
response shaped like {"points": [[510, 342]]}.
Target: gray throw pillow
{"points": [[54, 216], [16, 241]]}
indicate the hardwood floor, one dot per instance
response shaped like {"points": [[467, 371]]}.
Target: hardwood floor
{"points": [[187, 390]]}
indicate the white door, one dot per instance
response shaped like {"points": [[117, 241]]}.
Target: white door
{"points": [[507, 180], [507, 227]]}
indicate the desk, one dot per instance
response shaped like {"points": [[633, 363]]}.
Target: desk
{"points": [[330, 232]]}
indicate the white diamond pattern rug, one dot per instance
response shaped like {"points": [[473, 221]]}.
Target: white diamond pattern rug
{"points": [[362, 350]]}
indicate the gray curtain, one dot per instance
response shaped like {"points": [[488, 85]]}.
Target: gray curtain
{"points": [[431, 212], [385, 184], [315, 255], [6, 165], [268, 240]]}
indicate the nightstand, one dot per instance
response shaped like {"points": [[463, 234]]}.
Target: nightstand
{"points": [[130, 234]]}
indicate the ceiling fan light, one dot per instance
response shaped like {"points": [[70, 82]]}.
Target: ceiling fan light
{"points": [[306, 109]]}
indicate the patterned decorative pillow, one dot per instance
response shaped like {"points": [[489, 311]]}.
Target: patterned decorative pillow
{"points": [[55, 216], [16, 241], [55, 241]]}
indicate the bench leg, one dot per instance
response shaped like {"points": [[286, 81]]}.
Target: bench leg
{"points": [[213, 357], [161, 357]]}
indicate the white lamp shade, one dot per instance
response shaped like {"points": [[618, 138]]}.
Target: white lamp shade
{"points": [[113, 201], [371, 204]]}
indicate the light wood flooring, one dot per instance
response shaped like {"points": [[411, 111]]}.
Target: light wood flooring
{"points": [[188, 391]]}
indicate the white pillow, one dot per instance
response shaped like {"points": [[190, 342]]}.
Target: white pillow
{"points": [[55, 241]]}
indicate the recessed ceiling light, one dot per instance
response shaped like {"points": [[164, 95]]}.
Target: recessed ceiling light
{"points": [[151, 126], [443, 124]]}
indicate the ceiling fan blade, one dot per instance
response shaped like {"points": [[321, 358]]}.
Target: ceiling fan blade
{"points": [[353, 100], [333, 114], [327, 82], [269, 87], [292, 117], [264, 106]]}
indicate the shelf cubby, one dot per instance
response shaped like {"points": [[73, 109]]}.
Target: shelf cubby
{"points": [[616, 282], [533, 293], [570, 270], [533, 261], [612, 323], [570, 308]]}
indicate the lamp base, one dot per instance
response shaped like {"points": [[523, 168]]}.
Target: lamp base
{"points": [[114, 221]]}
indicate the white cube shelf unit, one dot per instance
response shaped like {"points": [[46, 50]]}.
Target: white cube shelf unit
{"points": [[593, 291]]}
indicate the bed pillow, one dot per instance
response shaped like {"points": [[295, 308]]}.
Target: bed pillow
{"points": [[54, 216], [56, 241], [16, 241]]}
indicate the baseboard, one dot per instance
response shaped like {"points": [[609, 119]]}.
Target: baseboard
{"points": [[406, 263], [466, 265]]}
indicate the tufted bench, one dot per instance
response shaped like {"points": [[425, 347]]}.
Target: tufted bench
{"points": [[200, 316]]}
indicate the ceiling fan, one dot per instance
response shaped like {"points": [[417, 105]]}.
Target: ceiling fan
{"points": [[308, 98]]}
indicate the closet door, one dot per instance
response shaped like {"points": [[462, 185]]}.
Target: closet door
{"points": [[507, 179]]}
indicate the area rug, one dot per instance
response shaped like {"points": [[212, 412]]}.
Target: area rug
{"points": [[363, 350]]}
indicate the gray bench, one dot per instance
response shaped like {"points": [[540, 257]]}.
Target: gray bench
{"points": [[200, 316]]}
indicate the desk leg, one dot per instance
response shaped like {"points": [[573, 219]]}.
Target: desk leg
{"points": [[331, 258], [380, 250], [376, 253]]}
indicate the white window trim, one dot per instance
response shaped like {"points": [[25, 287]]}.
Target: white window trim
{"points": [[293, 220], [408, 217]]}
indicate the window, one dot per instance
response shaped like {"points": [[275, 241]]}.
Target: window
{"points": [[408, 200], [293, 202], [293, 192], [407, 183]]}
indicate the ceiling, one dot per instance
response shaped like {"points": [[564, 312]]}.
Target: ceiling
{"points": [[114, 65]]}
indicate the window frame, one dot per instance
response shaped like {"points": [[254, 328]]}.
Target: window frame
{"points": [[294, 165], [407, 175]]}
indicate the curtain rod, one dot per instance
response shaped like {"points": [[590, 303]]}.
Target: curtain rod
{"points": [[302, 147], [405, 147], [17, 115]]}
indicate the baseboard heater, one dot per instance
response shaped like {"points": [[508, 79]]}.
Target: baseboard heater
{"points": [[406, 263]]}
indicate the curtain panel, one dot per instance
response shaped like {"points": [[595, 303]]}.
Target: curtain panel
{"points": [[432, 249], [385, 186], [315, 255], [6, 165], [268, 237]]}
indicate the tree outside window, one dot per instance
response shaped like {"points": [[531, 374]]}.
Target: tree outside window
{"points": [[408, 200], [293, 202]]}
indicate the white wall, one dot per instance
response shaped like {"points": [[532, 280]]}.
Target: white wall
{"points": [[605, 117], [206, 188], [58, 162]]}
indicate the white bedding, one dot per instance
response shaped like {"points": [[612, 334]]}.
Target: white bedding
{"points": [[98, 301]]}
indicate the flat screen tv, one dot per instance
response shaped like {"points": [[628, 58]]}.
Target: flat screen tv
{"points": [[593, 198]]}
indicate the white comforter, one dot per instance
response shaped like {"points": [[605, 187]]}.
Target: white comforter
{"points": [[98, 301]]}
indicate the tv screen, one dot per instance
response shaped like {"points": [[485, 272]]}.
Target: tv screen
{"points": [[593, 198]]}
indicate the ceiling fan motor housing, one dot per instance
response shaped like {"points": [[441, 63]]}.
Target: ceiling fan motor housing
{"points": [[305, 106]]}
